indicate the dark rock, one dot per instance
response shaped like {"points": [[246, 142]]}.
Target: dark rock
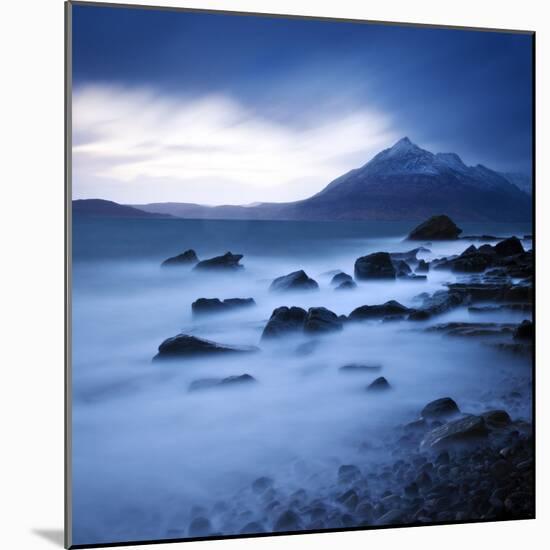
{"points": [[423, 267], [341, 278], [440, 408], [206, 383], [320, 319], [464, 430], [288, 521], [346, 285], [402, 268], [391, 308], [525, 331], [189, 257], [380, 384], [440, 302], [200, 527], [252, 527], [509, 247], [215, 305], [226, 262], [435, 229], [358, 368], [473, 329], [285, 320], [183, 345], [297, 280], [348, 473], [409, 255], [497, 418], [392, 517], [375, 266]]}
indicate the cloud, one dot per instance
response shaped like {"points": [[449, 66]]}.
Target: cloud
{"points": [[138, 145]]}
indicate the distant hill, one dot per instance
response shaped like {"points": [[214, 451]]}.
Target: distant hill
{"points": [[99, 208], [403, 182], [522, 181]]}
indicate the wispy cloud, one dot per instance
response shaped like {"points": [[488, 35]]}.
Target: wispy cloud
{"points": [[137, 145]]}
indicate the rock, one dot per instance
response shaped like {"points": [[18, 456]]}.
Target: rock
{"points": [[380, 384], [297, 280], [320, 319], [375, 266], [183, 346], [402, 268], [206, 383], [284, 320], [435, 229], [464, 430], [346, 285], [497, 418], [509, 247], [525, 331], [226, 262], [307, 348], [340, 278], [444, 407], [388, 309], [409, 255], [215, 305], [288, 521], [347, 473], [189, 257], [440, 302], [357, 368], [392, 517], [423, 267], [199, 527]]}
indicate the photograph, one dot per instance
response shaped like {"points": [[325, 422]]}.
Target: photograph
{"points": [[300, 274]]}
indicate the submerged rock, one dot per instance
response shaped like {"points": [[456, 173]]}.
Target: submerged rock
{"points": [[423, 267], [215, 305], [388, 309], [189, 257], [340, 278], [200, 527], [348, 473], [321, 319], [402, 268], [226, 262], [380, 384], [284, 320], [346, 285], [206, 383], [359, 368], [409, 255], [464, 430], [297, 280], [444, 407], [437, 228], [439, 302], [378, 265], [183, 345], [497, 418], [288, 521], [524, 331]]}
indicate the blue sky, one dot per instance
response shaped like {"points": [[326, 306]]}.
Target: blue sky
{"points": [[217, 108]]}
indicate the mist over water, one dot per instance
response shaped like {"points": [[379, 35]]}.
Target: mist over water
{"points": [[146, 451]]}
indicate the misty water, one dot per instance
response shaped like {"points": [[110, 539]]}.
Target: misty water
{"points": [[147, 453]]}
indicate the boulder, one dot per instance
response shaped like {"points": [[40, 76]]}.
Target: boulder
{"points": [[469, 429], [200, 527], [388, 309], [189, 257], [320, 319], [185, 346], [497, 418], [439, 302], [215, 305], [348, 473], [284, 320], [444, 407], [402, 268], [524, 331], [380, 384], [375, 266], [288, 521], [346, 285], [297, 280], [340, 278], [226, 262], [409, 255], [509, 247], [423, 267], [437, 228]]}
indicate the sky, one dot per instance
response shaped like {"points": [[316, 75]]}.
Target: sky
{"points": [[172, 106]]}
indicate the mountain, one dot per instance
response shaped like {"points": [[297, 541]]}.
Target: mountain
{"points": [[99, 208], [522, 181], [403, 182]]}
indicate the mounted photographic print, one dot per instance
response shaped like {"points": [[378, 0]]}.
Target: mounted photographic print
{"points": [[300, 275]]}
